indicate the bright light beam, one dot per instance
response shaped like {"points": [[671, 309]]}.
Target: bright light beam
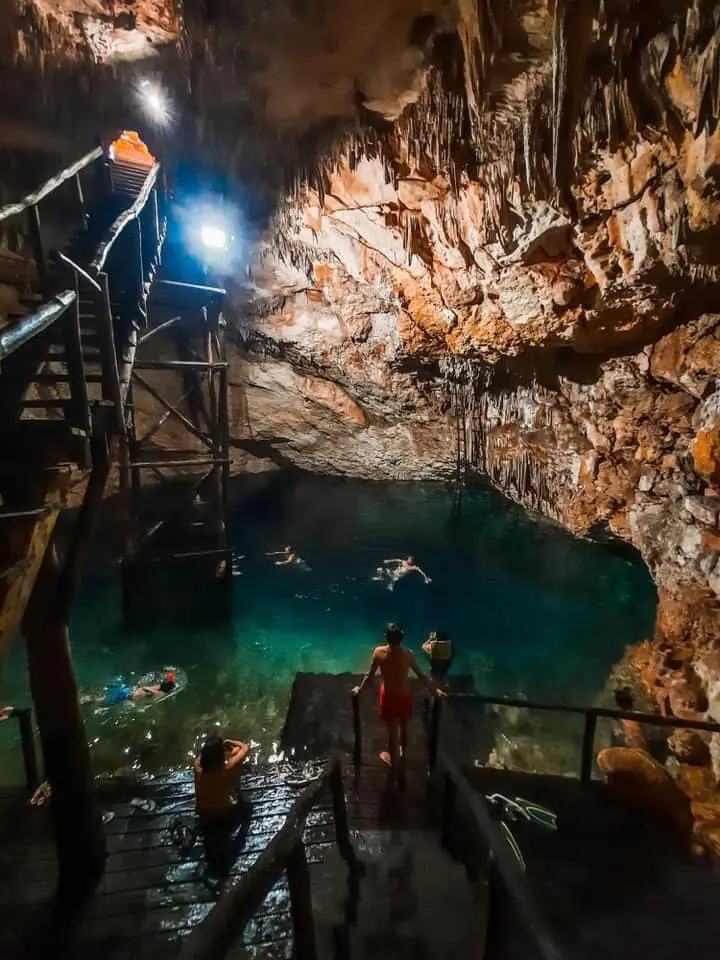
{"points": [[154, 102], [214, 238]]}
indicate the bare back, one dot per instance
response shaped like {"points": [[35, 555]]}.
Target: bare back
{"points": [[394, 664]]}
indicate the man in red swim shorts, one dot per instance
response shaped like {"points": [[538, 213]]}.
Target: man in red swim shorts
{"points": [[395, 700]]}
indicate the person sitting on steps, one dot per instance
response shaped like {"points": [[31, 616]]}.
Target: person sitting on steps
{"points": [[221, 813], [395, 699]]}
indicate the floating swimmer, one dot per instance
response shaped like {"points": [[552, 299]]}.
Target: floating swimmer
{"points": [[401, 568], [151, 688], [289, 558]]}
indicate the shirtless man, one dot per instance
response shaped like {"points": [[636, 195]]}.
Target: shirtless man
{"points": [[288, 557], [395, 700], [403, 566]]}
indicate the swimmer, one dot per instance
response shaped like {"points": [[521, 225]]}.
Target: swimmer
{"points": [[289, 557], [401, 569], [6, 713], [118, 692]]}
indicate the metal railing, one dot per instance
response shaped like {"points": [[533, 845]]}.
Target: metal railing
{"points": [[19, 333], [223, 927], [30, 207], [506, 884], [23, 715], [133, 212], [50, 186], [591, 716]]}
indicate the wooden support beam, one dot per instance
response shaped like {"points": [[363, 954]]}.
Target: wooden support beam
{"points": [[160, 422], [197, 462], [188, 424], [150, 533], [162, 326], [25, 546], [199, 365], [75, 813]]}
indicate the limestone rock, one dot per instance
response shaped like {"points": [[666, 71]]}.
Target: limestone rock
{"points": [[689, 747], [642, 783], [704, 509]]}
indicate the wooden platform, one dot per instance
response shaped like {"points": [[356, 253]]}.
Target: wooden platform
{"points": [[154, 891], [608, 884]]}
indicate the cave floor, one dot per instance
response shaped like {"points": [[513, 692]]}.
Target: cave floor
{"points": [[607, 882]]}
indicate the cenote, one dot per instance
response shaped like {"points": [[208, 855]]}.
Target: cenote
{"points": [[533, 611]]}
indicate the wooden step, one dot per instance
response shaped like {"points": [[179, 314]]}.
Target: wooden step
{"points": [[65, 378], [42, 404]]}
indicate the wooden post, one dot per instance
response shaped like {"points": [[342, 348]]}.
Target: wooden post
{"points": [[434, 738], [141, 269], [224, 437], [27, 743], [74, 811], [588, 748], [496, 912], [301, 908], [79, 193], [449, 796], [82, 417], [342, 827], [111, 371], [357, 728], [36, 241]]}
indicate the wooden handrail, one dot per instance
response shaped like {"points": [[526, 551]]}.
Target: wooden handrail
{"points": [[591, 716], [63, 258], [611, 713], [19, 333], [23, 715], [32, 199], [132, 213], [505, 869], [222, 928]]}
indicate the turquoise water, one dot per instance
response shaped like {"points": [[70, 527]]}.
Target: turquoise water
{"points": [[532, 610]]}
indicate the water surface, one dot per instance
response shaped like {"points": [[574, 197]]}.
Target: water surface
{"points": [[532, 610]]}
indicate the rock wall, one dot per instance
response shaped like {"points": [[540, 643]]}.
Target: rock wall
{"points": [[517, 278]]}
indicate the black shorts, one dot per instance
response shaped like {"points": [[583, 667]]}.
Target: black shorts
{"points": [[439, 669]]}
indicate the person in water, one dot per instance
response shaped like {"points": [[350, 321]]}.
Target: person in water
{"points": [[289, 557], [395, 700], [118, 692], [401, 567], [439, 650], [6, 713]]}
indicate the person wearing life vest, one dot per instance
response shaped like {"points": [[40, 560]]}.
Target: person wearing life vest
{"points": [[439, 650]]}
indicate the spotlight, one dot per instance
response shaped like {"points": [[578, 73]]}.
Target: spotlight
{"points": [[154, 102], [213, 237]]}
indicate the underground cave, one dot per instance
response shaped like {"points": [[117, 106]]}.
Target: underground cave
{"points": [[318, 318]]}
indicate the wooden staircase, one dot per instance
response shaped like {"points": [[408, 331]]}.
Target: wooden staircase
{"points": [[66, 350]]}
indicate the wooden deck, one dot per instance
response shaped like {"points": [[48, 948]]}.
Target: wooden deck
{"points": [[608, 883], [154, 890]]}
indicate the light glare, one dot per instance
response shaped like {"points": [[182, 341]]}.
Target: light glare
{"points": [[154, 102], [214, 238]]}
